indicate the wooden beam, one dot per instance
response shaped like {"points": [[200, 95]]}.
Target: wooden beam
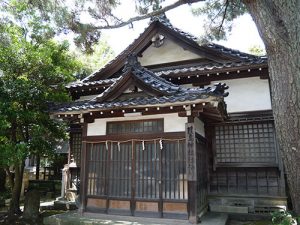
{"points": [[155, 110], [215, 75], [83, 180], [191, 169], [168, 135]]}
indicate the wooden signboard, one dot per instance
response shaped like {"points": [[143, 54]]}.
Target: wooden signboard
{"points": [[191, 167]]}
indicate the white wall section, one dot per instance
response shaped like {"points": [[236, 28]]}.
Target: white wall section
{"points": [[247, 94], [172, 123], [168, 52]]}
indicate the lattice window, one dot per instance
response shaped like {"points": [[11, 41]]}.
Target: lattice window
{"points": [[245, 143], [145, 126], [75, 147], [264, 181]]}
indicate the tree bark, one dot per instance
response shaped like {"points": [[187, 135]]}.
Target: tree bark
{"points": [[10, 177], [37, 170], [14, 207], [278, 23], [2, 180]]}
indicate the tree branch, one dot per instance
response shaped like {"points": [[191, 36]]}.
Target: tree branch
{"points": [[149, 15], [224, 16]]}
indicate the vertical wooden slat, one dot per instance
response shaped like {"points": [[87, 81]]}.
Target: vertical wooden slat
{"points": [[184, 174], [83, 175], [169, 169], [267, 174], [147, 172], [178, 169], [160, 170], [123, 171], [128, 171], [133, 186], [143, 173], [152, 176], [108, 171], [120, 178], [157, 171]]}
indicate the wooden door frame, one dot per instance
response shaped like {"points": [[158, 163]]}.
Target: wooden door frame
{"points": [[133, 199]]}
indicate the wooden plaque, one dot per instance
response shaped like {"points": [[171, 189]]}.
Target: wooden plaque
{"points": [[191, 168]]}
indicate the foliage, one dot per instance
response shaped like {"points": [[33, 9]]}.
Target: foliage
{"points": [[32, 77], [219, 16], [5, 195], [144, 6], [83, 18], [102, 54], [43, 18], [284, 218]]}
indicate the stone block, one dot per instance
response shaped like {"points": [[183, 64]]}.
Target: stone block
{"points": [[228, 209]]}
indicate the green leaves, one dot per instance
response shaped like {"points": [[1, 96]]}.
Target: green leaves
{"points": [[33, 76], [283, 218], [219, 15]]}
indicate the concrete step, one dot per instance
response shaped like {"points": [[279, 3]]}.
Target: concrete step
{"points": [[74, 218], [214, 218]]}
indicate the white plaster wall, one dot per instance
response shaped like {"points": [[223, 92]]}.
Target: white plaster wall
{"points": [[172, 123], [247, 94], [199, 127], [168, 52]]}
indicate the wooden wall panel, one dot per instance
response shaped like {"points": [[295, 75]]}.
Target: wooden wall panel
{"points": [[99, 203], [116, 204], [147, 206], [175, 207]]}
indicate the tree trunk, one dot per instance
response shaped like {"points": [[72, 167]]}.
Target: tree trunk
{"points": [[10, 177], [38, 163], [278, 22], [14, 207], [2, 180]]}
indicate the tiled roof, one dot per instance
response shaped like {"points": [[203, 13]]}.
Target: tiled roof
{"points": [[185, 95], [168, 92], [235, 53], [262, 61], [211, 66], [165, 22], [133, 68], [91, 83]]}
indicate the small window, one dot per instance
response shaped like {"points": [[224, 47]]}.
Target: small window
{"points": [[144, 126]]}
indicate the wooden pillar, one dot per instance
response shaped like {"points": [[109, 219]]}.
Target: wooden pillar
{"points": [[191, 170], [83, 181], [133, 187]]}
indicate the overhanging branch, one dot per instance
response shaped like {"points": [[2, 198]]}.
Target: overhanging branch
{"points": [[148, 15], [224, 15]]}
